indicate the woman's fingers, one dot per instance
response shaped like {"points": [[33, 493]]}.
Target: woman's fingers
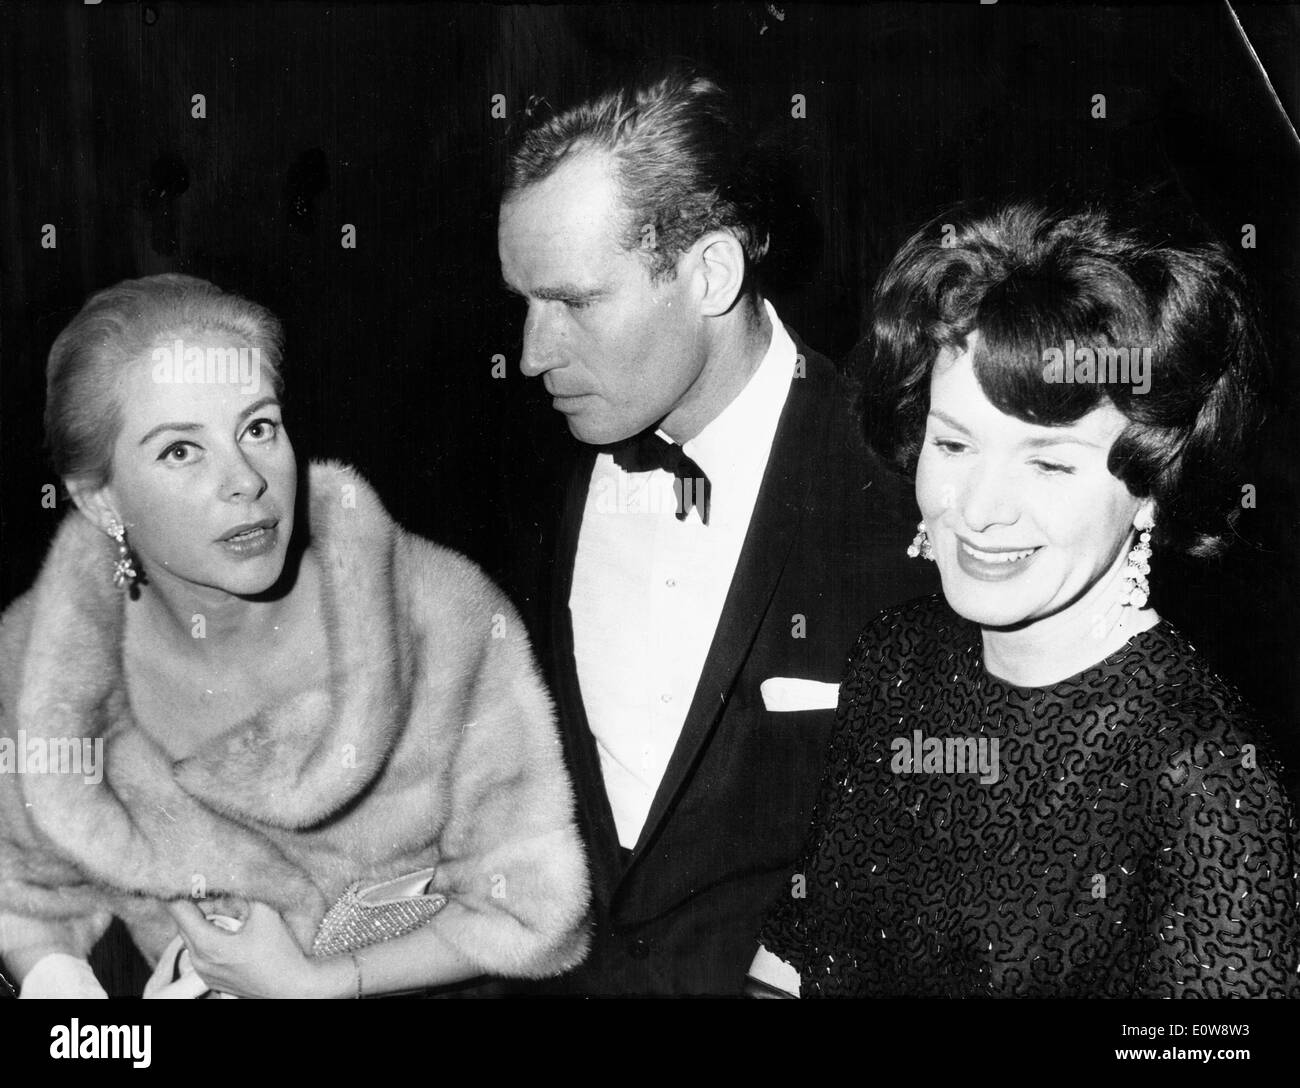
{"points": [[200, 935], [187, 915]]}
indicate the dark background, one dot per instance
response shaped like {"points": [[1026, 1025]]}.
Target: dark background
{"points": [[380, 115]]}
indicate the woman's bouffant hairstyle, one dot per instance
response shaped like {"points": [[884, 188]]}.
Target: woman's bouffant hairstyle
{"points": [[117, 327], [1028, 280], [685, 162]]}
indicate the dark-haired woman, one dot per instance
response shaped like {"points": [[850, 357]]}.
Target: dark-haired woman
{"points": [[288, 712], [1036, 786]]}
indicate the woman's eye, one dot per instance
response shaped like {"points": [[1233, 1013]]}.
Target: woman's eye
{"points": [[262, 429], [1053, 468], [949, 445], [182, 448]]}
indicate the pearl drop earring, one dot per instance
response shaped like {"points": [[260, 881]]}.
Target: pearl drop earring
{"points": [[920, 545], [1137, 567]]}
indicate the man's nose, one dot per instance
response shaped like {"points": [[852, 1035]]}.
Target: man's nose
{"points": [[540, 352]]}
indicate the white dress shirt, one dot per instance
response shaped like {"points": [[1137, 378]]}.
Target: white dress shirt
{"points": [[648, 589]]}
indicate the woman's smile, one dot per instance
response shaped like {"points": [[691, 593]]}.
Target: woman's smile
{"points": [[993, 564]]}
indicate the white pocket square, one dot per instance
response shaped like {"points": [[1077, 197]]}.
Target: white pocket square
{"points": [[791, 693]]}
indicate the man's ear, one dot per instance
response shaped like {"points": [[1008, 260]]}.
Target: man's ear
{"points": [[96, 504], [721, 263]]}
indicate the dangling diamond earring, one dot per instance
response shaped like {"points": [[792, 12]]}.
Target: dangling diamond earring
{"points": [[1138, 567], [124, 572], [920, 545]]}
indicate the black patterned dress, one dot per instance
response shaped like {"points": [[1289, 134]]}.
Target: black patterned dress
{"points": [[1131, 839]]}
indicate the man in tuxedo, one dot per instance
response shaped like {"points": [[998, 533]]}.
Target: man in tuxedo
{"points": [[724, 536]]}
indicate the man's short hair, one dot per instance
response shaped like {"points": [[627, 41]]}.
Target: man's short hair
{"points": [[685, 163]]}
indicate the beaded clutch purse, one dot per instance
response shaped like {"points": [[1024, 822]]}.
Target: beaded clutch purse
{"points": [[366, 916]]}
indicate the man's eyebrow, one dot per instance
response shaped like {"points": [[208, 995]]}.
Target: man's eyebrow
{"points": [[561, 292]]}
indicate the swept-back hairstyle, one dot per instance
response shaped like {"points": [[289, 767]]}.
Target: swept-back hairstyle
{"points": [[117, 327], [1029, 279], [686, 163]]}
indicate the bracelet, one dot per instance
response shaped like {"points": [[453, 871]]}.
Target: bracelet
{"points": [[356, 964]]}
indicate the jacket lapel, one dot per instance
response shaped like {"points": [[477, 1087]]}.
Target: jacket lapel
{"points": [[772, 532], [597, 817]]}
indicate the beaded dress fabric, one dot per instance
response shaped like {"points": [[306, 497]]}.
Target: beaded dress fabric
{"points": [[1135, 841]]}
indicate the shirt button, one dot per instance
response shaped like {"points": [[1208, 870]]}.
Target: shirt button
{"points": [[665, 698], [670, 582], [639, 948]]}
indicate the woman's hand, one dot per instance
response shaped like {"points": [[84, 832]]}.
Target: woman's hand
{"points": [[261, 960]]}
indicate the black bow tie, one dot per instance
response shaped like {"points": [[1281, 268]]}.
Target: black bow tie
{"points": [[647, 451]]}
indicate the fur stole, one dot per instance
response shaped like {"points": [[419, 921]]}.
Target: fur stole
{"points": [[434, 745]]}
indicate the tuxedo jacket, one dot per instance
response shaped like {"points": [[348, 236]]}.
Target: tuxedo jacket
{"points": [[825, 552]]}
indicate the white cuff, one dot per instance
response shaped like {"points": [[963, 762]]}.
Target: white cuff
{"points": [[61, 975]]}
